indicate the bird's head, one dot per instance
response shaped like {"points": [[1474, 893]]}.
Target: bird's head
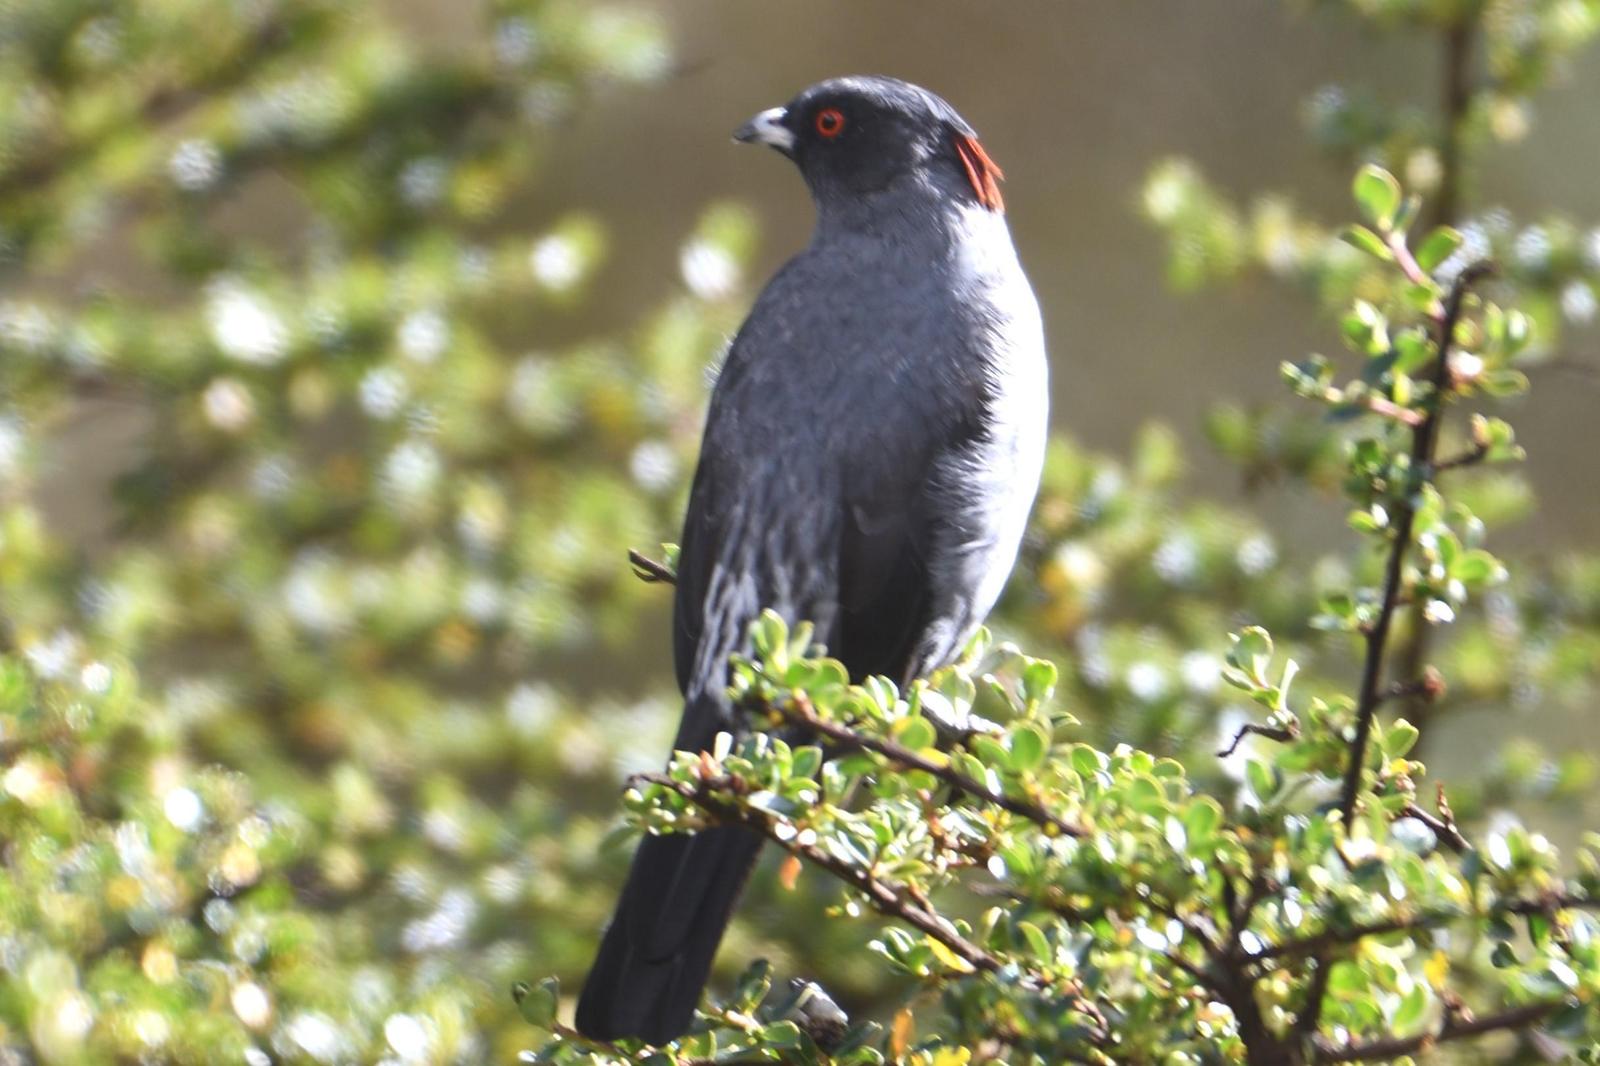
{"points": [[852, 137]]}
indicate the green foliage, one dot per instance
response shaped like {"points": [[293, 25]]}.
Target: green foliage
{"points": [[1324, 915], [310, 724], [1059, 896], [280, 782]]}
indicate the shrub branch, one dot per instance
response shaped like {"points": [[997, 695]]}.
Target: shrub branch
{"points": [[800, 712]]}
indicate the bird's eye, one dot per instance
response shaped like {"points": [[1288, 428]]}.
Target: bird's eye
{"points": [[830, 122]]}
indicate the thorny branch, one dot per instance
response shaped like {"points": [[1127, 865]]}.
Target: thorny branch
{"points": [[1330, 938], [1456, 1027], [1443, 826], [888, 899], [1424, 440], [800, 712], [1282, 734], [1459, 41], [1430, 686], [650, 571]]}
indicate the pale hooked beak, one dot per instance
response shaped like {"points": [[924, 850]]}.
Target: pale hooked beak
{"points": [[767, 128]]}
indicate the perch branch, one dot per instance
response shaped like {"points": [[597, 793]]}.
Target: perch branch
{"points": [[650, 571], [1456, 1027], [800, 712]]}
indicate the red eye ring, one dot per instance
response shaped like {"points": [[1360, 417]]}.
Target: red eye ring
{"points": [[830, 122]]}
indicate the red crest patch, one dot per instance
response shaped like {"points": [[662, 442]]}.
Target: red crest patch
{"points": [[984, 173]]}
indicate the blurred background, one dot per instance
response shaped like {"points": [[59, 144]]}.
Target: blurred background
{"points": [[345, 349]]}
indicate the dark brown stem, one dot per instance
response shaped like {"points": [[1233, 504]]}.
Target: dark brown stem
{"points": [[800, 712], [1202, 976], [1382, 405], [1424, 441], [886, 898], [1282, 735], [1328, 939], [1459, 40], [1455, 1028], [1318, 943], [650, 571], [1443, 828], [1457, 97], [1430, 686], [1306, 1024], [1471, 457]]}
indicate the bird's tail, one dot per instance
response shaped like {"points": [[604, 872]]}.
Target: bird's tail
{"points": [[656, 954]]}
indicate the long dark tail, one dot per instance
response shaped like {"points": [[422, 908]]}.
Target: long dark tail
{"points": [[657, 952]]}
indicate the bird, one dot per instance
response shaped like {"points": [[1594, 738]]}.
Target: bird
{"points": [[871, 452]]}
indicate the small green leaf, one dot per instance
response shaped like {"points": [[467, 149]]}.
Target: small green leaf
{"points": [[1476, 567], [1399, 739], [1366, 328], [1259, 777], [806, 761], [1364, 239], [1413, 1006], [1407, 213], [1201, 819], [989, 750], [1504, 382], [770, 638], [1412, 350], [915, 733], [538, 1003], [782, 1035], [1038, 680], [1028, 746], [1373, 520], [1438, 246], [1378, 195], [752, 987], [1146, 796], [1086, 761], [1038, 943], [1252, 653]]}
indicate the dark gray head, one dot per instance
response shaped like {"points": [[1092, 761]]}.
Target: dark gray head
{"points": [[852, 137]]}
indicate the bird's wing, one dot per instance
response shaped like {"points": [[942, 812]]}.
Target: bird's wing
{"points": [[899, 517], [883, 575]]}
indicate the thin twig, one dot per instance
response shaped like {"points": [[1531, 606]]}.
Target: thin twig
{"points": [[1423, 443], [1382, 405], [887, 898], [1424, 440], [1471, 457], [1455, 1028], [650, 571], [1430, 686], [1320, 942], [1443, 828], [1282, 734], [1317, 943], [1311, 1016], [1053, 903], [801, 712], [572, 1036], [1459, 41]]}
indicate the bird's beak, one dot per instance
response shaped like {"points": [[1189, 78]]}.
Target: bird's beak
{"points": [[767, 128]]}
